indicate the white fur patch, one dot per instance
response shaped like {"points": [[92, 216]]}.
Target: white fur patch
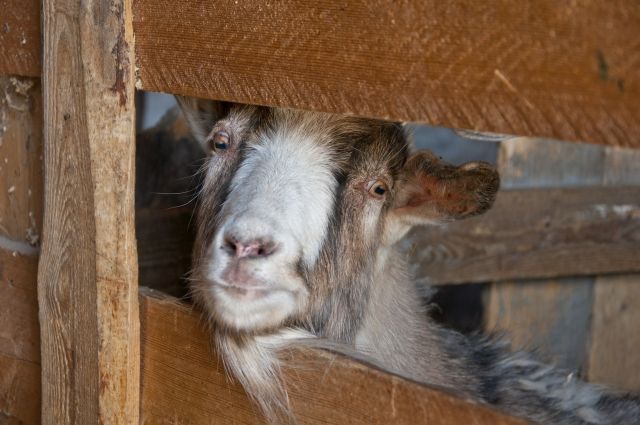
{"points": [[282, 192]]}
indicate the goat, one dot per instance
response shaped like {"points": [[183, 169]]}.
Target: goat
{"points": [[297, 221]]}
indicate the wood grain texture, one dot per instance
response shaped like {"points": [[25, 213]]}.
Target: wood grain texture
{"points": [[20, 38], [19, 391], [87, 277], [550, 318], [615, 340], [183, 382], [559, 69], [615, 343], [19, 328], [21, 159], [534, 233], [20, 223], [19, 339]]}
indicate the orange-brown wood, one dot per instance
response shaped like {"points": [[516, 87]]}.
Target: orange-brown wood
{"points": [[563, 69], [19, 338], [21, 159], [20, 224], [183, 382], [20, 38]]}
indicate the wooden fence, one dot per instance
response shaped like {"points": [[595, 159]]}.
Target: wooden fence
{"points": [[81, 344]]}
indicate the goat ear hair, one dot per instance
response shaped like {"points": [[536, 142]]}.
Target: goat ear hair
{"points": [[435, 191]]}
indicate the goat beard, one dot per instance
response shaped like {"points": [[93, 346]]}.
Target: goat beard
{"points": [[255, 361]]}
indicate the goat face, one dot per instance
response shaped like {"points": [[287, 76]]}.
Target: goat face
{"points": [[297, 206]]}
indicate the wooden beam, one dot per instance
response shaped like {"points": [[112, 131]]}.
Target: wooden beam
{"points": [[20, 38], [559, 69], [87, 281], [184, 382], [534, 233]]}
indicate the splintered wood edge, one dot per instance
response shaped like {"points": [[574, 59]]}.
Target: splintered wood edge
{"points": [[183, 379]]}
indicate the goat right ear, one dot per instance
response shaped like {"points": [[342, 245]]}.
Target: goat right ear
{"points": [[435, 191], [201, 115]]}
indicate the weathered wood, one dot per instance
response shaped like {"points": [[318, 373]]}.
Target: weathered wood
{"points": [[615, 344], [20, 221], [183, 382], [615, 340], [19, 338], [534, 233], [87, 281], [19, 391], [19, 329], [20, 159], [556, 69], [571, 320], [20, 38], [549, 317]]}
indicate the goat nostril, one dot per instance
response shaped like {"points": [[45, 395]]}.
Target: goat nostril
{"points": [[229, 245], [251, 249]]}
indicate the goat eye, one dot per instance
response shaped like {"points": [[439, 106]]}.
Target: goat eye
{"points": [[377, 188], [220, 141]]}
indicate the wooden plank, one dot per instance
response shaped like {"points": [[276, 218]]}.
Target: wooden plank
{"points": [[613, 353], [21, 159], [184, 382], [20, 221], [19, 339], [549, 317], [87, 281], [556, 69], [20, 395], [534, 233], [19, 328], [615, 341], [20, 38]]}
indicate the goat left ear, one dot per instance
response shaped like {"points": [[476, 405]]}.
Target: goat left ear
{"points": [[434, 191]]}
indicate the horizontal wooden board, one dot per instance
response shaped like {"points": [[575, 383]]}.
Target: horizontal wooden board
{"points": [[534, 233], [183, 382], [567, 70], [20, 38]]}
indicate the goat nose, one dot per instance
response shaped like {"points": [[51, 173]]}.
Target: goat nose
{"points": [[256, 248]]}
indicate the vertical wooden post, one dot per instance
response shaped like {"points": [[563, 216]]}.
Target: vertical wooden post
{"points": [[87, 278]]}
